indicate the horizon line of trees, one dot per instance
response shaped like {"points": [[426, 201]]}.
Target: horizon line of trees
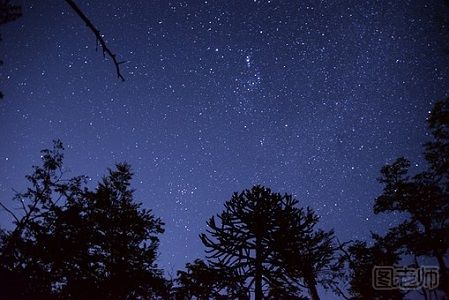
{"points": [[73, 242]]}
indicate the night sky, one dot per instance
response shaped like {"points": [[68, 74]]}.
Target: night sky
{"points": [[306, 97]]}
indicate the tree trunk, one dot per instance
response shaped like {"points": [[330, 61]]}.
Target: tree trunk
{"points": [[441, 263], [311, 284], [424, 291], [258, 271], [444, 276]]}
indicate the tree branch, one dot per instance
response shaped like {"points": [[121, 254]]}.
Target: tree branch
{"points": [[10, 212], [100, 39]]}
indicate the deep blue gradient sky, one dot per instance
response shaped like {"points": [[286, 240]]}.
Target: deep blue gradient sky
{"points": [[306, 97]]}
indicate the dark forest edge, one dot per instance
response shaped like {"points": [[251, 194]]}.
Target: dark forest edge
{"points": [[72, 242]]}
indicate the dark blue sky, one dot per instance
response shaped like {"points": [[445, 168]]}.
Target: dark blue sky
{"points": [[306, 97]]}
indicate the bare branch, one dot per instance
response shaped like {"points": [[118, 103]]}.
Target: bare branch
{"points": [[342, 294], [10, 212], [100, 39]]}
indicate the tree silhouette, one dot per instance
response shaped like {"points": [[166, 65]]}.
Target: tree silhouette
{"points": [[307, 253], [122, 242], [437, 151], [424, 197], [20, 258], [10, 12], [360, 259], [244, 239], [284, 292], [74, 243], [202, 281], [99, 37]]}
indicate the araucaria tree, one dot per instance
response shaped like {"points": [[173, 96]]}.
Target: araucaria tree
{"points": [[73, 243], [423, 197], [249, 238], [242, 239]]}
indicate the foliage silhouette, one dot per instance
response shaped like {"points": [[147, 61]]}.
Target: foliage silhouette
{"points": [[202, 281], [307, 253], [73, 243], [424, 197], [360, 259], [9, 12], [265, 238]]}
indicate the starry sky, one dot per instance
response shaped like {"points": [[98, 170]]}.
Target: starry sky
{"points": [[306, 97]]}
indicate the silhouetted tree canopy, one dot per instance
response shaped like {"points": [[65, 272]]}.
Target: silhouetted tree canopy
{"points": [[423, 197], [202, 281], [74, 243], [359, 259], [243, 238], [9, 12], [270, 242], [307, 253]]}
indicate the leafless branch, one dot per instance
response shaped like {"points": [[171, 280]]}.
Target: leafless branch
{"points": [[10, 212], [106, 50], [342, 294]]}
